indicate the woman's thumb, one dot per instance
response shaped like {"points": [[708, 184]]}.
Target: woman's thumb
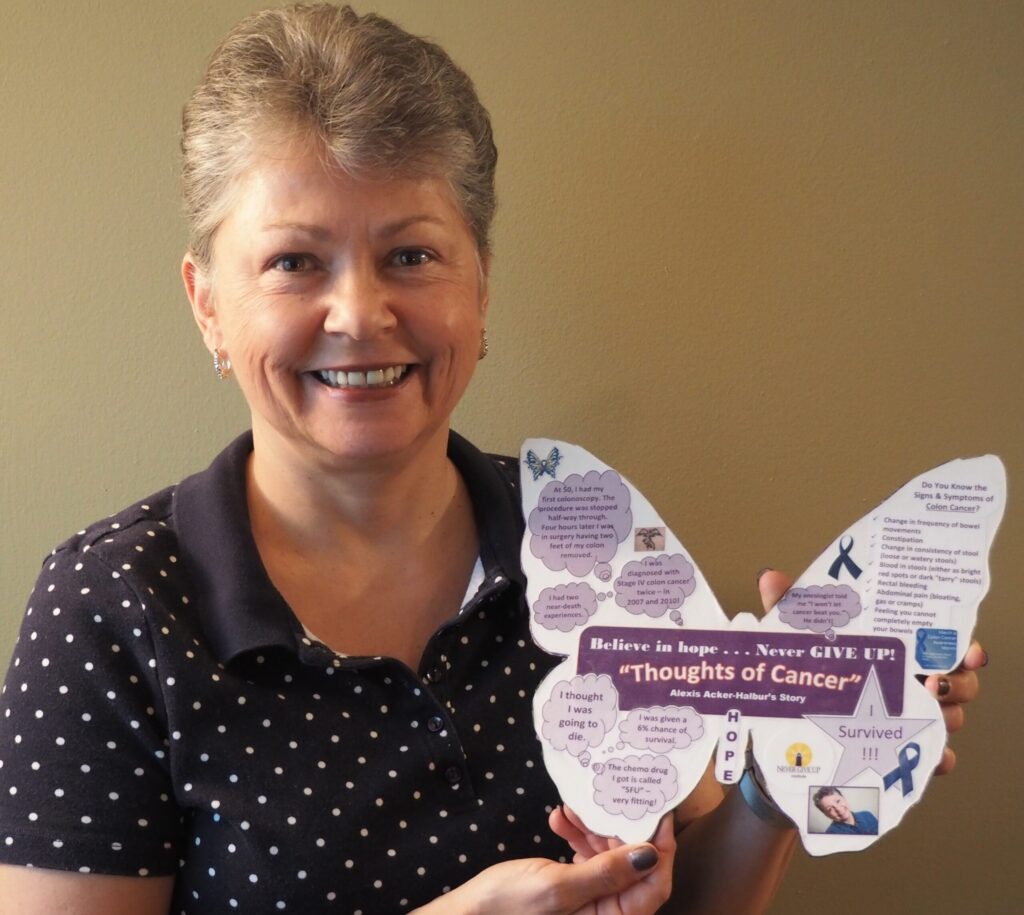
{"points": [[608, 873]]}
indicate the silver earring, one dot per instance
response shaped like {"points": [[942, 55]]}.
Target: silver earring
{"points": [[485, 346], [221, 365]]}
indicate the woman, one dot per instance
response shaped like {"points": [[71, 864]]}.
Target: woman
{"points": [[301, 680], [832, 802]]}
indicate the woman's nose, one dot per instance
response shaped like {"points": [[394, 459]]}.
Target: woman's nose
{"points": [[358, 304]]}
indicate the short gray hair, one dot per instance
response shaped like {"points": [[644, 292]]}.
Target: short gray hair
{"points": [[376, 98], [824, 792]]}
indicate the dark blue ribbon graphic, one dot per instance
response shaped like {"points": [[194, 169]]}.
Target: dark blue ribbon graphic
{"points": [[844, 560], [902, 772]]}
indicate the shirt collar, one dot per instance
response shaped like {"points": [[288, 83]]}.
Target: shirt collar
{"points": [[241, 609]]}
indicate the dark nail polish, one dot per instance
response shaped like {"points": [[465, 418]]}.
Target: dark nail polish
{"points": [[643, 859], [984, 660], [762, 571], [944, 687]]}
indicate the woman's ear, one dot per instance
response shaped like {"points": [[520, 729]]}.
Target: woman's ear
{"points": [[199, 290]]}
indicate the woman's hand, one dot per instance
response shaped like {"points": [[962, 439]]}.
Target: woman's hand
{"points": [[953, 690], [606, 878]]}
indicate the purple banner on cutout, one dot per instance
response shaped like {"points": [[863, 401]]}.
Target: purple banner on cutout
{"points": [[763, 674]]}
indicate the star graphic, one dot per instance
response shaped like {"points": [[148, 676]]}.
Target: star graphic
{"points": [[870, 738]]}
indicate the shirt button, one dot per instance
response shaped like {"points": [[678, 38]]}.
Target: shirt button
{"points": [[454, 775], [435, 674], [435, 724]]}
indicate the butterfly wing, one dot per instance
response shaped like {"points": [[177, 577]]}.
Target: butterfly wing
{"points": [[534, 464], [893, 597], [587, 587], [552, 461]]}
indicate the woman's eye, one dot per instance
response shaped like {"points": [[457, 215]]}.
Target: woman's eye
{"points": [[292, 263], [412, 257]]}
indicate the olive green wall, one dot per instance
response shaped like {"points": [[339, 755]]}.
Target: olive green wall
{"points": [[764, 258]]}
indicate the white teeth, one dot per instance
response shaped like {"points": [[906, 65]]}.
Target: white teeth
{"points": [[375, 378]]}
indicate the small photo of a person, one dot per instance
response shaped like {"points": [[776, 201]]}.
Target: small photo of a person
{"points": [[844, 812]]}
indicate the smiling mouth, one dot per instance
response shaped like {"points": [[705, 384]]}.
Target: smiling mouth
{"points": [[375, 378]]}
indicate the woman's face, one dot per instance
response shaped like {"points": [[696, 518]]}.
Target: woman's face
{"points": [[834, 806], [351, 309]]}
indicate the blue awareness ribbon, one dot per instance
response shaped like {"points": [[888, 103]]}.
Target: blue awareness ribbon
{"points": [[901, 773], [843, 560]]}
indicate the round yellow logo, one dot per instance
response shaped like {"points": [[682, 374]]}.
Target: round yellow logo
{"points": [[798, 754]]}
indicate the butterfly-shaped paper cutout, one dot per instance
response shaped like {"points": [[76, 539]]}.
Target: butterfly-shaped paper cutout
{"points": [[656, 676], [540, 466]]}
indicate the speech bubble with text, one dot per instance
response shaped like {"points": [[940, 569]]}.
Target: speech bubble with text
{"points": [[661, 728], [565, 607], [635, 786], [654, 585], [580, 521], [823, 608], [579, 713]]}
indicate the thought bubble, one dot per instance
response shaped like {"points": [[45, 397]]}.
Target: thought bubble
{"points": [[662, 729], [635, 786], [564, 607], [585, 758], [580, 713], [820, 608], [654, 584], [580, 521], [603, 571]]}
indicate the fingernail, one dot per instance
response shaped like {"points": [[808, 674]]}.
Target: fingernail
{"points": [[984, 660], [943, 688], [762, 571], [643, 859]]}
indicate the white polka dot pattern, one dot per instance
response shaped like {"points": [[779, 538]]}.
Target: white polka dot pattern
{"points": [[281, 777]]}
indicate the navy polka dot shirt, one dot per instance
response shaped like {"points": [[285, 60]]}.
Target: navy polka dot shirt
{"points": [[165, 713]]}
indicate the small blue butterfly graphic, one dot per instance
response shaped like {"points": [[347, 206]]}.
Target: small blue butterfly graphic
{"points": [[540, 466]]}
